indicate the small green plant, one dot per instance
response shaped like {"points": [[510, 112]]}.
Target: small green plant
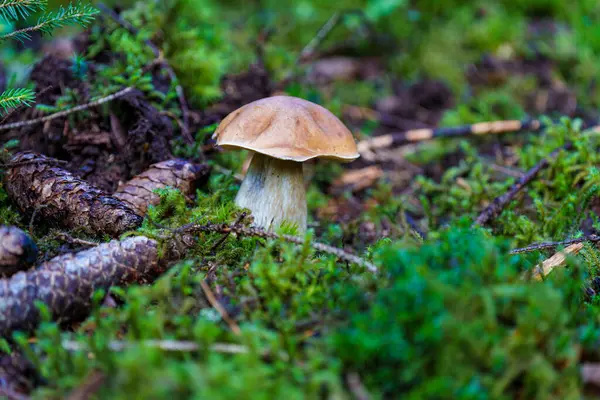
{"points": [[13, 10]]}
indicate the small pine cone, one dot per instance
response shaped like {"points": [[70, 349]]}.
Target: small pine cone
{"points": [[66, 283], [138, 193], [37, 185], [17, 250]]}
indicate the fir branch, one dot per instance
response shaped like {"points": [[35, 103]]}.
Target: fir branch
{"points": [[15, 9], [13, 98], [78, 14]]}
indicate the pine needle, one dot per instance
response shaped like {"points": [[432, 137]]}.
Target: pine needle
{"points": [[78, 14], [15, 9], [13, 98]]}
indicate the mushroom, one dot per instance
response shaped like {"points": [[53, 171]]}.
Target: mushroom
{"points": [[282, 132]]}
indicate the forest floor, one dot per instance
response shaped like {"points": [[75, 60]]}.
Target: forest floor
{"points": [[465, 263]]}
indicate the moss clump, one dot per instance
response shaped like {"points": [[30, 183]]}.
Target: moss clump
{"points": [[456, 319]]}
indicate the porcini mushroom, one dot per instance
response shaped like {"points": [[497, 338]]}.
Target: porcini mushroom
{"points": [[282, 132]]}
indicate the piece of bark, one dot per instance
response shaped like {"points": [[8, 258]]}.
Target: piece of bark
{"points": [[17, 250], [138, 193], [66, 283], [37, 185], [558, 259]]}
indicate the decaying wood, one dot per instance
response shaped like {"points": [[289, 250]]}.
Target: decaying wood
{"points": [[138, 193], [17, 250], [547, 266], [54, 194], [67, 282]]}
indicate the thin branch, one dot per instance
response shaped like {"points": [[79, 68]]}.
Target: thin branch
{"points": [[356, 386], [257, 232], [499, 203], [64, 113], [222, 311], [226, 235], [418, 135], [321, 35], [166, 345], [553, 245], [172, 75], [73, 240]]}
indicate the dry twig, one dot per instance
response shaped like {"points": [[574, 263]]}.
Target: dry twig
{"points": [[366, 147], [166, 345], [222, 311], [64, 113], [257, 232], [553, 245], [499, 203], [356, 386]]}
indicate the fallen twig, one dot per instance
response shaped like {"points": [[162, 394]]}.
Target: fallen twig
{"points": [[553, 245], [17, 250], [226, 234], [321, 35], [257, 232], [138, 193], [499, 203], [64, 113], [66, 283], [365, 147], [356, 386], [166, 345], [73, 240], [92, 383], [217, 306], [309, 50], [172, 76], [55, 194]]}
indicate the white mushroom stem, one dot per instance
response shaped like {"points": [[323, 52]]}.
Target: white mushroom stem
{"points": [[274, 191]]}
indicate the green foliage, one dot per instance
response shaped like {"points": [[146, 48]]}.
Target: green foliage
{"points": [[12, 98], [193, 42], [73, 14], [453, 317], [455, 320], [19, 9]]}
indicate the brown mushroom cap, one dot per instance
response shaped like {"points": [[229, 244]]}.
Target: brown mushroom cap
{"points": [[287, 128]]}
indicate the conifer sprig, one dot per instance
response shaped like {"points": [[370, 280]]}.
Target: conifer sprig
{"points": [[80, 14], [15, 9], [13, 98]]}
